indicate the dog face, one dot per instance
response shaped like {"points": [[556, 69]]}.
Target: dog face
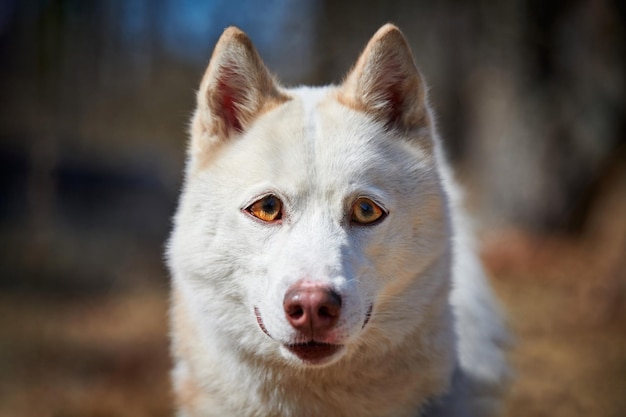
{"points": [[312, 219]]}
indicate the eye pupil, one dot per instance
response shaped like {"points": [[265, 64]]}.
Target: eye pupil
{"points": [[367, 210], [270, 204]]}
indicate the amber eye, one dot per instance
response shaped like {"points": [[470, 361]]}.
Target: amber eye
{"points": [[268, 209], [366, 212]]}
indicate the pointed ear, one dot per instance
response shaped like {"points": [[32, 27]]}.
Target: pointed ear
{"points": [[386, 83], [235, 89]]}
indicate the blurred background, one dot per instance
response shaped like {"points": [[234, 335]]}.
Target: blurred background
{"points": [[95, 97]]}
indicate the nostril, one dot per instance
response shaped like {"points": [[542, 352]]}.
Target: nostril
{"points": [[294, 311], [324, 312], [330, 304], [330, 310]]}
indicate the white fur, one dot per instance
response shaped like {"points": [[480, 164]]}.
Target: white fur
{"points": [[434, 340]]}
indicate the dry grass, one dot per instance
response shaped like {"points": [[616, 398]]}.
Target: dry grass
{"points": [[570, 340], [94, 356], [566, 299]]}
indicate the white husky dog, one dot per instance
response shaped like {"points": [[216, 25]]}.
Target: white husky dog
{"points": [[320, 264]]}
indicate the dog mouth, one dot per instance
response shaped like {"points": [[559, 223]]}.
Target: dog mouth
{"points": [[311, 352], [314, 352]]}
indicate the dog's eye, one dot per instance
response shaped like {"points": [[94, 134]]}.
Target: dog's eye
{"points": [[365, 212], [268, 209]]}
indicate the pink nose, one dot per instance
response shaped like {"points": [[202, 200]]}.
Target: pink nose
{"points": [[312, 308]]}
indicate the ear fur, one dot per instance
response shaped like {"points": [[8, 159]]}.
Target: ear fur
{"points": [[235, 89], [386, 83]]}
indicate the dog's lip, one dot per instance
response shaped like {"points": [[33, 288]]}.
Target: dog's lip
{"points": [[368, 316], [313, 352], [259, 321]]}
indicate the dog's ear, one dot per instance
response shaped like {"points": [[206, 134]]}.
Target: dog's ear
{"points": [[386, 83], [235, 89]]}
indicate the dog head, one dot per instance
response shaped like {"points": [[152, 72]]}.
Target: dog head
{"points": [[312, 221]]}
